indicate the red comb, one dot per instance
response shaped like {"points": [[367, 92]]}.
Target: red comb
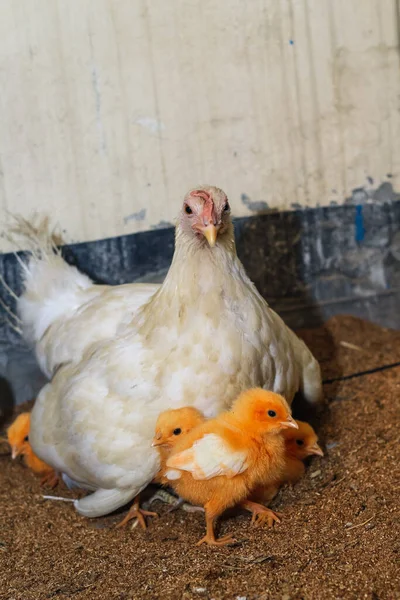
{"points": [[208, 209], [201, 194]]}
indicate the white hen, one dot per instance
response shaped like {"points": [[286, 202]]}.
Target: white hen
{"points": [[203, 337]]}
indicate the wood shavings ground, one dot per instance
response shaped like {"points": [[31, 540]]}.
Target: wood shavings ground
{"points": [[48, 551]]}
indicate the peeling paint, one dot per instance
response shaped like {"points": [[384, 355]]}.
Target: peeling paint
{"points": [[162, 225], [256, 206], [137, 216], [384, 194]]}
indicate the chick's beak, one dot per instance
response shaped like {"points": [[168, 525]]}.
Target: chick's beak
{"points": [[15, 452], [290, 422], [157, 440], [315, 449], [210, 232]]}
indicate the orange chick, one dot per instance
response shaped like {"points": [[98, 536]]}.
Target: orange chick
{"points": [[171, 425], [221, 461], [18, 438], [299, 445]]}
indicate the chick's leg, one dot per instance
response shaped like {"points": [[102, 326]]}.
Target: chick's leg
{"points": [[260, 513], [135, 512], [264, 495], [212, 512], [50, 479]]}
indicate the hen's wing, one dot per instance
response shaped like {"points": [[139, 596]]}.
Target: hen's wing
{"points": [[63, 311], [98, 314], [209, 457]]}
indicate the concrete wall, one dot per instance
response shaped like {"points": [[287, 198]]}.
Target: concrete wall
{"points": [[110, 109]]}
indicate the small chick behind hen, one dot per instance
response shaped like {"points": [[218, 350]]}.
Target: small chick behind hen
{"points": [[18, 439], [221, 461], [299, 445]]}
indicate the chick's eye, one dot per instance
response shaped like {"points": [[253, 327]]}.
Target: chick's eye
{"points": [[26, 438], [177, 431], [300, 442], [271, 413], [188, 210], [227, 207]]}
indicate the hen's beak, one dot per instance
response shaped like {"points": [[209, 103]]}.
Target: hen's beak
{"points": [[315, 449], [210, 232], [290, 422]]}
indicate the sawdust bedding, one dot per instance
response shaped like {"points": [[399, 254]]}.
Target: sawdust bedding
{"points": [[338, 538]]}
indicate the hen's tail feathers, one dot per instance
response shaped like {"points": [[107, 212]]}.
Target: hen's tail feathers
{"points": [[51, 286], [103, 502], [11, 318], [35, 235], [311, 386]]}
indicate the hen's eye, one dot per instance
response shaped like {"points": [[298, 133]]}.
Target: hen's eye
{"points": [[188, 210], [227, 207], [26, 438], [177, 431], [271, 413], [300, 442]]}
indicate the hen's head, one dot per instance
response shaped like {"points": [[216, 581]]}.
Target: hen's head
{"points": [[18, 435], [206, 215], [172, 424], [303, 442], [263, 411]]}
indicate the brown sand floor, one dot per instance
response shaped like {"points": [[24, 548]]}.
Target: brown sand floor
{"points": [[339, 537]]}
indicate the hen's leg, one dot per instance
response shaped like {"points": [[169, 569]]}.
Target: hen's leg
{"points": [[212, 512], [260, 513], [135, 512], [50, 479], [175, 502]]}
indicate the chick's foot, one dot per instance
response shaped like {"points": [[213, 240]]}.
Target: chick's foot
{"points": [[261, 514], [211, 541], [209, 538], [135, 512]]}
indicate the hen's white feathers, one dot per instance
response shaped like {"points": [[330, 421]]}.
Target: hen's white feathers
{"points": [[209, 457], [53, 289], [63, 312]]}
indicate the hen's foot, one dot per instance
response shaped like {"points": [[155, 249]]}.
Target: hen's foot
{"points": [[164, 496]]}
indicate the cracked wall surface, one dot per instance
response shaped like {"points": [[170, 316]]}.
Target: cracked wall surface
{"points": [[112, 110]]}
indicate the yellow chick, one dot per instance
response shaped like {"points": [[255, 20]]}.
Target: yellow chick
{"points": [[171, 425], [299, 444], [18, 438], [220, 462]]}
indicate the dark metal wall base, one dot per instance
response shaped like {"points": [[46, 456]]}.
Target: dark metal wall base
{"points": [[309, 264]]}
